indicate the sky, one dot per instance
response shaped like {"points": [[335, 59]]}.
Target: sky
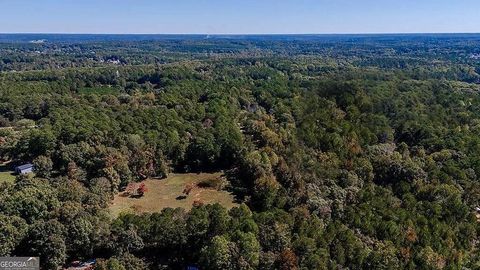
{"points": [[239, 16]]}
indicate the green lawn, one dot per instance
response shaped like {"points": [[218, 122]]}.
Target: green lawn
{"points": [[6, 175]]}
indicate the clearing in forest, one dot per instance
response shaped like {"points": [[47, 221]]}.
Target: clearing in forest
{"points": [[6, 175], [169, 192]]}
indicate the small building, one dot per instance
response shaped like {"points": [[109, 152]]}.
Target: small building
{"points": [[252, 108], [24, 169], [78, 265], [207, 123]]}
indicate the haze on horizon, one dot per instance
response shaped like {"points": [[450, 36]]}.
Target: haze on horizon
{"points": [[239, 17]]}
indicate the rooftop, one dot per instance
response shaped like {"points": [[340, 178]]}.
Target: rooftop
{"points": [[25, 166]]}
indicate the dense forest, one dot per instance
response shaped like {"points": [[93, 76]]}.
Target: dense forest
{"points": [[344, 152]]}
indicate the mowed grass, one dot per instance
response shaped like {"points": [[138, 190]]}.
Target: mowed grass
{"points": [[168, 192], [6, 175]]}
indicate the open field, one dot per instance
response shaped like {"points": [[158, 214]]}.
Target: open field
{"points": [[6, 175], [168, 193]]}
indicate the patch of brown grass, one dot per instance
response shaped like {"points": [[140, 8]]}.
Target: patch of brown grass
{"points": [[168, 192]]}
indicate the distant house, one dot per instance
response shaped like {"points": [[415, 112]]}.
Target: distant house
{"points": [[24, 169], [78, 265], [207, 123], [252, 108], [475, 56]]}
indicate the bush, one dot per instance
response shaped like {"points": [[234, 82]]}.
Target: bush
{"points": [[215, 183]]}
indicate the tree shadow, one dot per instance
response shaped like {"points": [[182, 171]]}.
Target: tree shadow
{"points": [[235, 187]]}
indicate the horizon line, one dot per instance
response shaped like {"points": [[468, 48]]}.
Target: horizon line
{"points": [[242, 34]]}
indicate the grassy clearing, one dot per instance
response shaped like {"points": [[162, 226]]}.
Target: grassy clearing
{"points": [[6, 175], [168, 193]]}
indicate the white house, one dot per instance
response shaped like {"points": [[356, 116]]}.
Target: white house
{"points": [[24, 169]]}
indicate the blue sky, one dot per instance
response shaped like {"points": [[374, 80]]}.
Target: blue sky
{"points": [[239, 16]]}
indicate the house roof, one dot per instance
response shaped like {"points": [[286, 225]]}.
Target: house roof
{"points": [[25, 166]]}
